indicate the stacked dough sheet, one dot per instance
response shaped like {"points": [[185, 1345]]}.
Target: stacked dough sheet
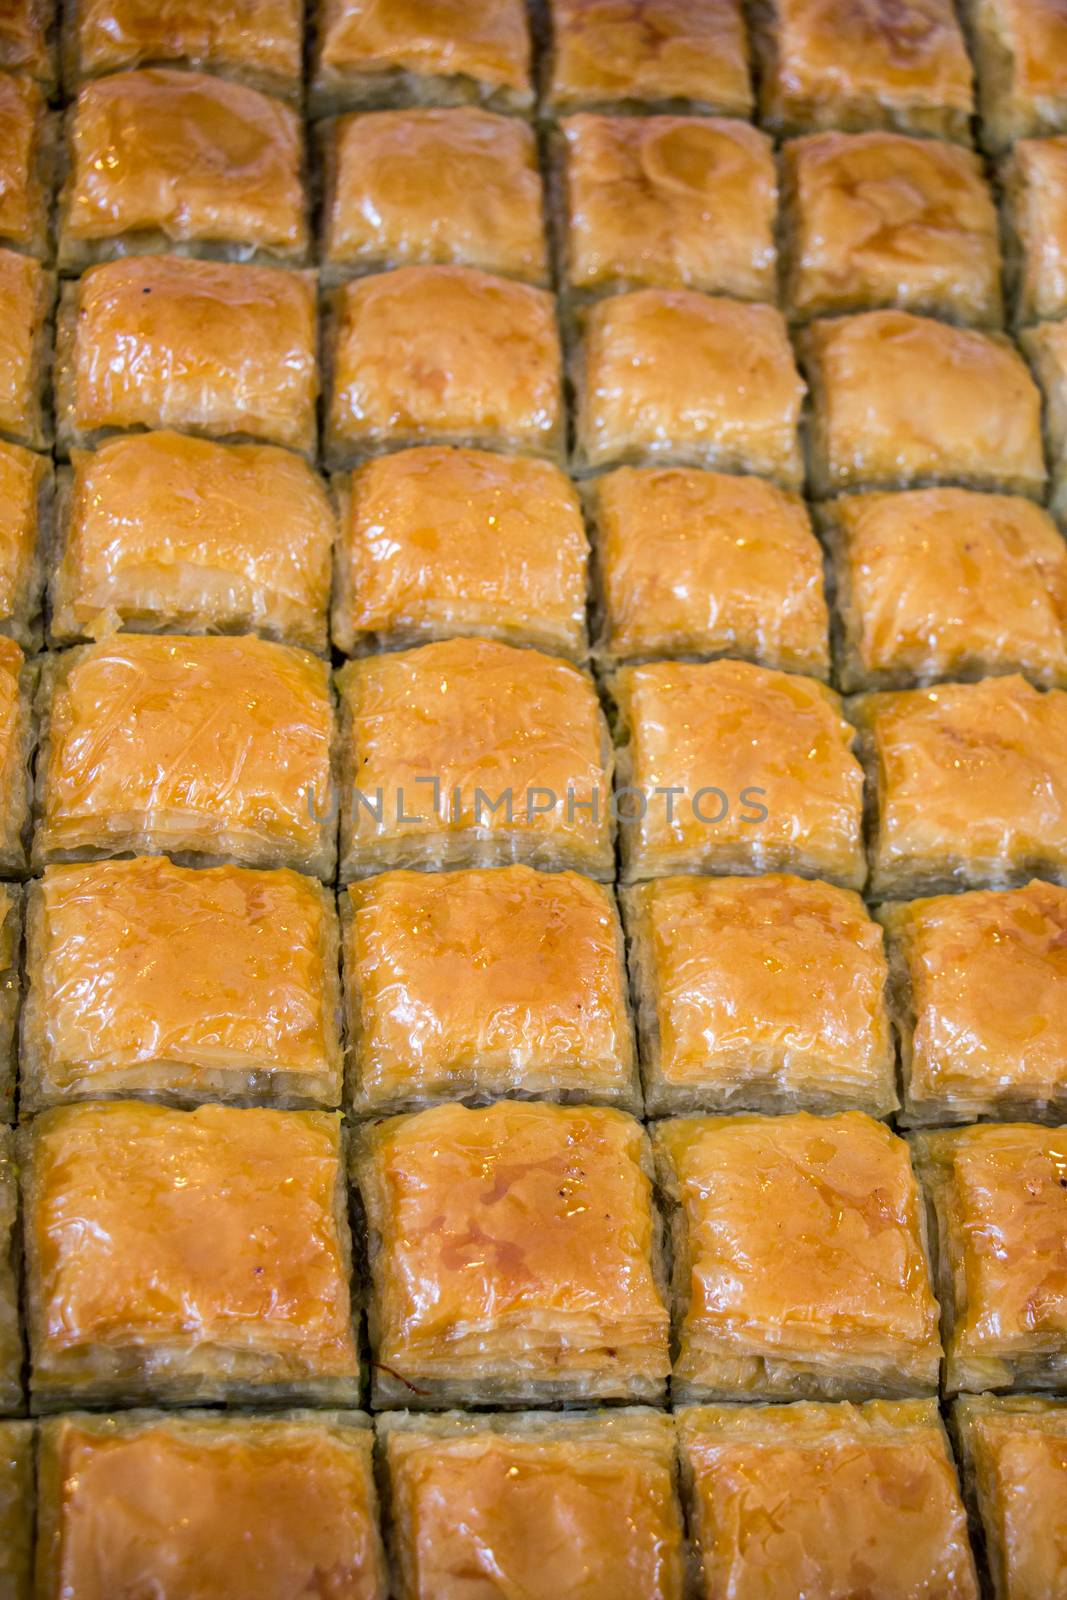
{"points": [[533, 800]]}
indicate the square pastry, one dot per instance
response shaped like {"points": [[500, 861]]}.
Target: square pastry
{"points": [[26, 295], [10, 994], [968, 786], [1020, 50], [878, 219], [1014, 1456], [800, 1264], [857, 64], [704, 564], [26, 485], [998, 1196], [726, 767], [979, 997], [579, 1504], [27, 159], [217, 348], [27, 40], [442, 355], [674, 376], [946, 583], [437, 542], [1034, 180], [672, 202], [18, 682], [470, 753], [514, 1257], [16, 1510], [899, 401], [164, 533], [164, 160], [203, 749], [825, 1500], [671, 55], [150, 980], [428, 52], [11, 1395], [258, 42], [214, 1264], [759, 994], [249, 1507], [455, 187], [471, 985], [1046, 348]]}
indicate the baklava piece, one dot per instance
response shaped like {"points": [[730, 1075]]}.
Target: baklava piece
{"points": [[18, 682], [1020, 47], [26, 294], [759, 994], [426, 52], [470, 753], [729, 768], [10, 991], [163, 533], [16, 1510], [163, 160], [703, 564], [825, 1500], [443, 355], [1046, 348], [459, 187], [203, 749], [27, 157], [861, 64], [998, 1196], [946, 583], [668, 202], [473, 985], [26, 484], [150, 980], [549, 1504], [187, 1256], [250, 1507], [647, 55], [979, 998], [437, 542], [219, 348], [1014, 1456], [878, 220], [669, 375], [800, 1268], [901, 401], [27, 40], [11, 1396], [968, 785], [1034, 179]]}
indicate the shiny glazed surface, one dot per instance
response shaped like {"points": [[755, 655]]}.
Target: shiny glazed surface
{"points": [[648, 51], [257, 38], [21, 476], [486, 40], [21, 115]]}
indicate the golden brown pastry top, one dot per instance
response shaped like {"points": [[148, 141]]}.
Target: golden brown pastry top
{"points": [[189, 155], [21, 118], [1018, 1447], [22, 474], [1035, 181], [484, 40], [11, 713], [609, 52], [147, 1226], [250, 1508], [24, 37], [24, 294], [260, 40], [1035, 33], [670, 201], [460, 186], [207, 346]]}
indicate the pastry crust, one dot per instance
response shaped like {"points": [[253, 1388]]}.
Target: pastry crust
{"points": [[1019, 50], [11, 1394], [997, 1195], [759, 994], [979, 997], [470, 753], [18, 683], [443, 355], [1046, 348], [11, 902], [456, 187], [946, 583], [222, 349], [16, 1509], [26, 295], [583, 1504], [429, 52], [703, 564], [150, 980], [1034, 183], [642, 55], [471, 985], [251, 1507], [668, 202], [213, 1265], [437, 542], [669, 375], [27, 40], [27, 158], [859, 64], [825, 1499], [26, 489], [901, 401], [513, 1257], [968, 785], [759, 765], [162, 160], [1014, 1459], [881, 220], [800, 1266], [163, 533], [203, 749]]}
